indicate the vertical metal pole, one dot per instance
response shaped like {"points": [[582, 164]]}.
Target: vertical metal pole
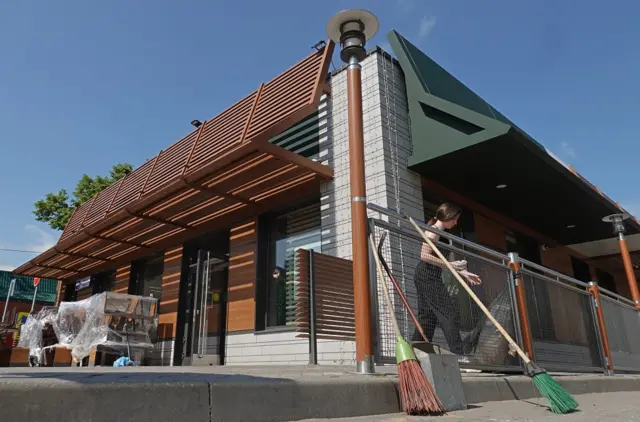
{"points": [[601, 327], [521, 304], [628, 268], [33, 302], [361, 296], [313, 339], [12, 285]]}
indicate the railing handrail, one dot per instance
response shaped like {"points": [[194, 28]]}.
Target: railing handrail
{"points": [[548, 271], [423, 225], [554, 273], [608, 294], [449, 248]]}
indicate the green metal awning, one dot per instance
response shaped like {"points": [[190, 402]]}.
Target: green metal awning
{"points": [[463, 143], [24, 288]]}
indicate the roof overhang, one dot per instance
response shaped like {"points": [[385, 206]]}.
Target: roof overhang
{"points": [[221, 173], [463, 143]]}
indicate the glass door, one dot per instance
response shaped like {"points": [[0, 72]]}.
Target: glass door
{"points": [[203, 341]]}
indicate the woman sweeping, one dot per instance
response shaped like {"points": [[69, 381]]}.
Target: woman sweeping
{"points": [[435, 304]]}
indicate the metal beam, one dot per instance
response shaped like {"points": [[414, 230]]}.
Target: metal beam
{"points": [[108, 239], [214, 192], [50, 267], [79, 255], [160, 220]]}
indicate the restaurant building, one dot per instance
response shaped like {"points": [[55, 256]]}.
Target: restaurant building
{"points": [[225, 210]]}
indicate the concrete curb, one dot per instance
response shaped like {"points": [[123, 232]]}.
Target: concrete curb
{"points": [[485, 389], [192, 397]]}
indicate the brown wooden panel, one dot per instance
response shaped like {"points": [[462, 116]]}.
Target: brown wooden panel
{"points": [[122, 279], [167, 326], [335, 317], [62, 290], [557, 259], [490, 232], [171, 282], [241, 306]]}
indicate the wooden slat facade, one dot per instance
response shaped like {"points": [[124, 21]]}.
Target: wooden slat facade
{"points": [[168, 312], [123, 274], [334, 297], [241, 304]]}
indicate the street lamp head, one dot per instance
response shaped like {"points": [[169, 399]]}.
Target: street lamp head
{"points": [[352, 29], [618, 221]]}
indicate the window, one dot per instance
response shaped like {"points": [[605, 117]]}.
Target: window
{"points": [[146, 279], [299, 229], [606, 280], [103, 282], [580, 270], [527, 247]]}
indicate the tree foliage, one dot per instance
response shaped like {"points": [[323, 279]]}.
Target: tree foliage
{"points": [[56, 209]]}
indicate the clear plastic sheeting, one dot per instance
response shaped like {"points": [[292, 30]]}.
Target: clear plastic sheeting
{"points": [[112, 321], [32, 329]]}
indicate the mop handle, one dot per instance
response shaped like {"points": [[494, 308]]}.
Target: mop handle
{"points": [[471, 293], [385, 288], [397, 288]]}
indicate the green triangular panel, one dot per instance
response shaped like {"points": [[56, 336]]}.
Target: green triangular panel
{"points": [[445, 115]]}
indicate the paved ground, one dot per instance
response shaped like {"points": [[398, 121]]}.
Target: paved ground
{"points": [[272, 393], [603, 407]]}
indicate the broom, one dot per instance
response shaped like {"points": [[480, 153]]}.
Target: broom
{"points": [[560, 401], [398, 290], [417, 395]]}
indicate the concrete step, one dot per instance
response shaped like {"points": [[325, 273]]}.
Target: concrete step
{"points": [[238, 394]]}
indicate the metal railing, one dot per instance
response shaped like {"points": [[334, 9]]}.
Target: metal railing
{"points": [[623, 326], [563, 313]]}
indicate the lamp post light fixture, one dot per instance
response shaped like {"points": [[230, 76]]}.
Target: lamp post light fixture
{"points": [[617, 220], [351, 29]]}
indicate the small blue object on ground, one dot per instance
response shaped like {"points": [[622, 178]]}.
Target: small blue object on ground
{"points": [[123, 361]]}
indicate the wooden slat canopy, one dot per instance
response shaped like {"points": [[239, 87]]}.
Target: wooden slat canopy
{"points": [[224, 171]]}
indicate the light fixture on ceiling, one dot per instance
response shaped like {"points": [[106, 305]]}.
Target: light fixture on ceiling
{"points": [[501, 186], [571, 226]]}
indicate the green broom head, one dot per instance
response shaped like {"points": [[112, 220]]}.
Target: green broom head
{"points": [[559, 400], [404, 351]]}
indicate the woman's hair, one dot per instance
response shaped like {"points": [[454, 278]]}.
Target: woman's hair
{"points": [[446, 212]]}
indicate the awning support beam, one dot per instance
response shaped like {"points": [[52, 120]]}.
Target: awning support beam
{"points": [[51, 267], [80, 255], [160, 220], [214, 192], [122, 242]]}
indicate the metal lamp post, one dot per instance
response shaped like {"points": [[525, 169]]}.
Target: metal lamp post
{"points": [[352, 29], [617, 220]]}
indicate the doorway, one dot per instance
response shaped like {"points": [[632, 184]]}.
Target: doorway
{"points": [[203, 305]]}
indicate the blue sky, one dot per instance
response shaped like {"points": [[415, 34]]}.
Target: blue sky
{"points": [[84, 85]]}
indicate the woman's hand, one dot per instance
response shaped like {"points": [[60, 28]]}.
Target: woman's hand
{"points": [[473, 279], [459, 265]]}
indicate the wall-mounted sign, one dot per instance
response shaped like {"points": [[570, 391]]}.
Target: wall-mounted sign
{"points": [[82, 283]]}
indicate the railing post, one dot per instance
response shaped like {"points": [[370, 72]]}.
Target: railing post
{"points": [[521, 305], [602, 329], [313, 340]]}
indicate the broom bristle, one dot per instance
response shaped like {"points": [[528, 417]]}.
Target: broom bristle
{"points": [[559, 400], [417, 395]]}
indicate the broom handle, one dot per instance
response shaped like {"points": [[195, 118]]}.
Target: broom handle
{"points": [[385, 288], [397, 288], [504, 333]]}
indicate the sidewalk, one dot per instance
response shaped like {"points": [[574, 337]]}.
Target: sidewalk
{"points": [[239, 393]]}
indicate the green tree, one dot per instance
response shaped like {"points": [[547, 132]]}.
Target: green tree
{"points": [[56, 209]]}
